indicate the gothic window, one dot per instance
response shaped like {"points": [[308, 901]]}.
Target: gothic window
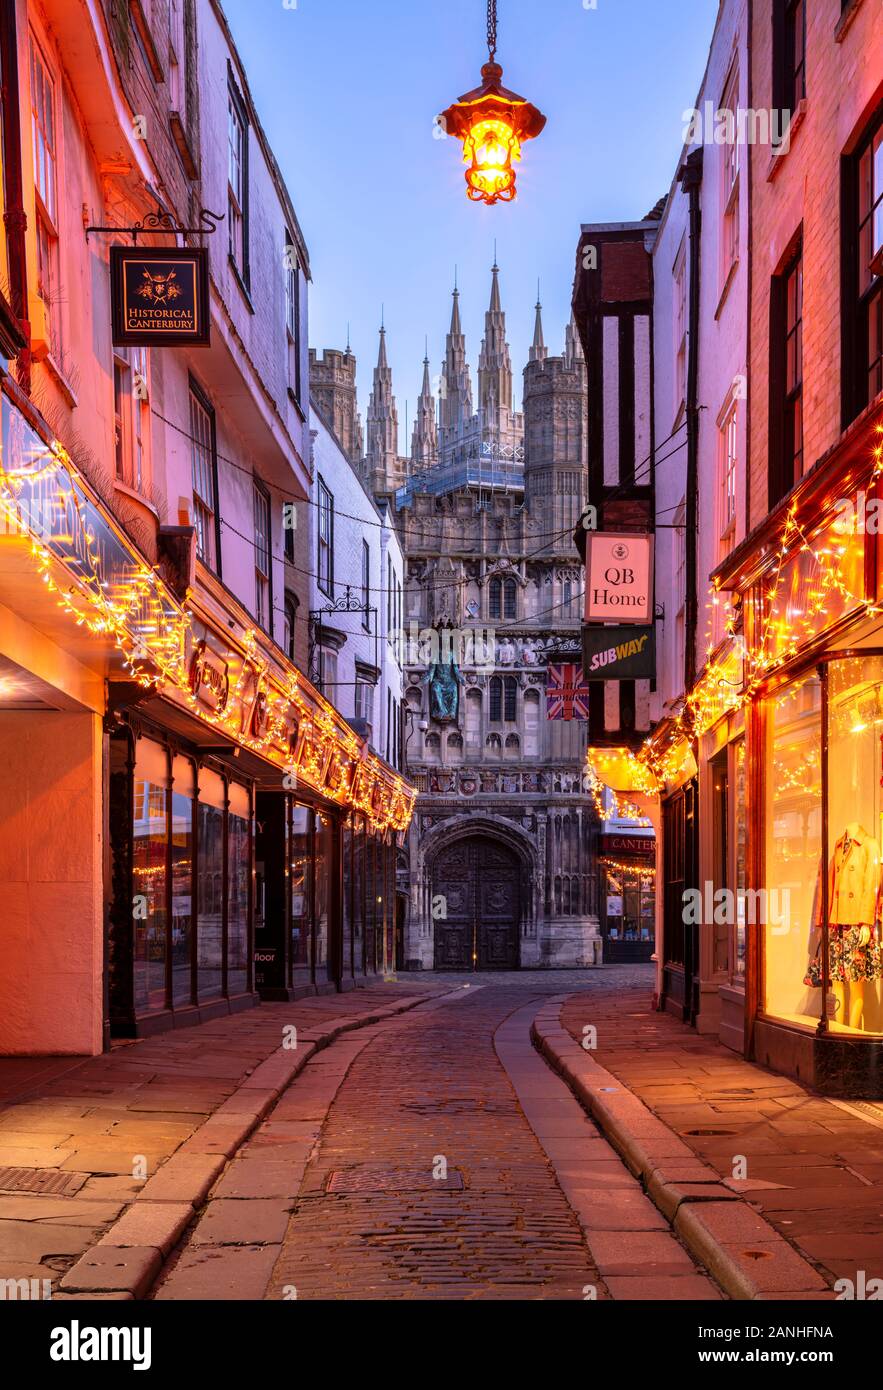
{"points": [[495, 599], [473, 718], [494, 745], [513, 746], [495, 713], [433, 745], [455, 746], [531, 723], [510, 599], [511, 701]]}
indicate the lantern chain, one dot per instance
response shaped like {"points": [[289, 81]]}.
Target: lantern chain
{"points": [[492, 28]]}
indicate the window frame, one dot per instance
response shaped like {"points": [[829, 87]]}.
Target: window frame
{"points": [[238, 199], [510, 599], [859, 304], [263, 596], [510, 700], [727, 473], [495, 700], [198, 397], [680, 324], [366, 585], [325, 545], [730, 167], [290, 604], [291, 267], [787, 93], [47, 231], [495, 599], [363, 693], [132, 430], [786, 402]]}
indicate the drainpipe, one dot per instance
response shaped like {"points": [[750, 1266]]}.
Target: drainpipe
{"points": [[690, 176], [14, 215]]}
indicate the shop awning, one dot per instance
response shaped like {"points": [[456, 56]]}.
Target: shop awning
{"points": [[71, 572]]}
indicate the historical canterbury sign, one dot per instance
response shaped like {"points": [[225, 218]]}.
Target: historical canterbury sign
{"points": [[160, 297]]}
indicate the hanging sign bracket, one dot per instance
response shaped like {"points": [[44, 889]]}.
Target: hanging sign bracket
{"points": [[164, 223]]}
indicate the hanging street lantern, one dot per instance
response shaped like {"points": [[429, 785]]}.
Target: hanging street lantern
{"points": [[493, 123]]}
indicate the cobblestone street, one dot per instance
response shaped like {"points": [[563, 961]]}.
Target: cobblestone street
{"points": [[436, 1156]]}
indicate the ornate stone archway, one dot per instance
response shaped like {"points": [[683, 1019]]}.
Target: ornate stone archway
{"points": [[477, 895]]}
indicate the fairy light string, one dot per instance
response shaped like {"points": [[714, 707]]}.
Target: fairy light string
{"points": [[784, 628], [45, 502]]}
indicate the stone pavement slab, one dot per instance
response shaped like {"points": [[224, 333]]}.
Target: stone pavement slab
{"points": [[151, 1126], [813, 1167]]}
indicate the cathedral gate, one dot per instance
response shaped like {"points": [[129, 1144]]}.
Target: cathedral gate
{"points": [[478, 883]]}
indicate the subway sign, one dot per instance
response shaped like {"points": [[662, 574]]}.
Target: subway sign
{"points": [[619, 653], [619, 577], [160, 298]]}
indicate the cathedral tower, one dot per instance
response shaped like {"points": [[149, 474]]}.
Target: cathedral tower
{"points": [[555, 445], [333, 393]]}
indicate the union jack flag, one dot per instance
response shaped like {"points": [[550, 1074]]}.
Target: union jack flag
{"points": [[567, 693]]}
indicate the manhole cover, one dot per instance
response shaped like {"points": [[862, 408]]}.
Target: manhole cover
{"points": [[45, 1180], [702, 1133], [369, 1178]]}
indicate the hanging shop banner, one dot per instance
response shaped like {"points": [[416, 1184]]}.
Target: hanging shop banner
{"points": [[641, 846], [567, 695], [619, 653], [159, 297], [619, 577]]}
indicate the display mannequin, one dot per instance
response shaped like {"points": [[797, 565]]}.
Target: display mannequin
{"points": [[854, 954]]}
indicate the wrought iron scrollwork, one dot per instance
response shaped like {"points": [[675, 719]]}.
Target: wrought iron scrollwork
{"points": [[165, 223]]}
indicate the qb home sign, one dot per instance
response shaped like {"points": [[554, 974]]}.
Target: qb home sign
{"points": [[159, 298], [619, 577]]}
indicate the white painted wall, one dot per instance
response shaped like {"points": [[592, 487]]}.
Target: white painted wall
{"points": [[357, 518]]}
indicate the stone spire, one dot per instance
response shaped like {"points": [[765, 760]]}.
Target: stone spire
{"points": [[494, 364], [455, 403], [424, 441], [573, 348], [538, 350], [382, 442]]}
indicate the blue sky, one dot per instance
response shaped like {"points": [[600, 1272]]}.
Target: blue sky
{"points": [[348, 90]]}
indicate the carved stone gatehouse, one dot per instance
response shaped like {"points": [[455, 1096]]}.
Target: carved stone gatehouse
{"points": [[499, 870]]}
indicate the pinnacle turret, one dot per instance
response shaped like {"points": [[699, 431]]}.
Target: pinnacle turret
{"points": [[455, 391], [382, 441], [538, 350], [494, 364], [424, 441]]}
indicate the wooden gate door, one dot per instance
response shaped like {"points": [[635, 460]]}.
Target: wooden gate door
{"points": [[476, 895]]}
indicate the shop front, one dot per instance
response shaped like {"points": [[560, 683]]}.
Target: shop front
{"points": [[252, 839], [628, 924], [180, 805], [812, 952]]}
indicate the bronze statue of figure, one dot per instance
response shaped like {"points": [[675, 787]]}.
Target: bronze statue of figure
{"points": [[444, 691]]}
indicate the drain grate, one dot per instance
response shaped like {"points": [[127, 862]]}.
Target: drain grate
{"points": [[49, 1181], [369, 1177]]}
